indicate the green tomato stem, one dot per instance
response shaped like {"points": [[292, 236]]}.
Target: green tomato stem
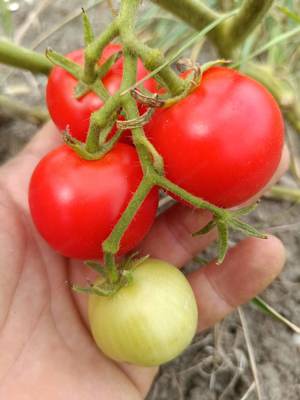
{"points": [[195, 201], [151, 161], [194, 12], [112, 273], [17, 56], [197, 15], [230, 33], [94, 50], [239, 27], [147, 153], [124, 26], [87, 29], [284, 193], [143, 146], [153, 59], [64, 62], [112, 243], [99, 120], [224, 36]]}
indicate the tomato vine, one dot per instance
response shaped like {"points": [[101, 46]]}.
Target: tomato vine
{"points": [[152, 164], [223, 30]]}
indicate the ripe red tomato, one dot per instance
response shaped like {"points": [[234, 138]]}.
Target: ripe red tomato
{"points": [[66, 110], [76, 203], [223, 142]]}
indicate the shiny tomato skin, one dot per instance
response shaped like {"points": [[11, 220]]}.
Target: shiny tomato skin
{"points": [[224, 141], [148, 322], [75, 203], [73, 114]]}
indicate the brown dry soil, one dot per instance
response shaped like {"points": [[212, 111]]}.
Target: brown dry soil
{"points": [[216, 366]]}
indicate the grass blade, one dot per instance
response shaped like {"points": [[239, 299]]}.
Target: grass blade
{"points": [[6, 19], [267, 309]]}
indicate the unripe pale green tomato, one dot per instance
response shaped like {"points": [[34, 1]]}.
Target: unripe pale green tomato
{"points": [[150, 321]]}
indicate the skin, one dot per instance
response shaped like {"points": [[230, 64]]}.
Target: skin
{"points": [[45, 344]]}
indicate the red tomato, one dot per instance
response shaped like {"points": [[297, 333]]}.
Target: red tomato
{"points": [[76, 203], [66, 110], [224, 141]]}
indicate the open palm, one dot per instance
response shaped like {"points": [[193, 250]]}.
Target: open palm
{"points": [[45, 344]]}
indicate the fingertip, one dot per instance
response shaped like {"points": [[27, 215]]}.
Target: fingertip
{"points": [[285, 160], [276, 250], [247, 270], [266, 257]]}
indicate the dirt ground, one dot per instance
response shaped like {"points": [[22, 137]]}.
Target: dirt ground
{"points": [[216, 366]]}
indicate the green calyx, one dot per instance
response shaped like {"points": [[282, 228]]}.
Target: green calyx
{"points": [[104, 286], [230, 220]]}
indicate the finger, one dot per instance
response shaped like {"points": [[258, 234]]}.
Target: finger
{"points": [[282, 167], [45, 140], [15, 174], [171, 239], [246, 271]]}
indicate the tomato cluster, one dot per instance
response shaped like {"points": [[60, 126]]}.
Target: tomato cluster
{"points": [[222, 143], [75, 203]]}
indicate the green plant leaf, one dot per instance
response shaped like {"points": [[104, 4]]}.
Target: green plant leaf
{"points": [[245, 210], [87, 29], [64, 62], [222, 241], [207, 228], [95, 266], [267, 309], [290, 14], [249, 230]]}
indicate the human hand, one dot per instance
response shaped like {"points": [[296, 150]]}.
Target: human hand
{"points": [[45, 344]]}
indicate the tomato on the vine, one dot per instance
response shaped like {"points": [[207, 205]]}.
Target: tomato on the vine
{"points": [[148, 322], [73, 114], [223, 142], [75, 203]]}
